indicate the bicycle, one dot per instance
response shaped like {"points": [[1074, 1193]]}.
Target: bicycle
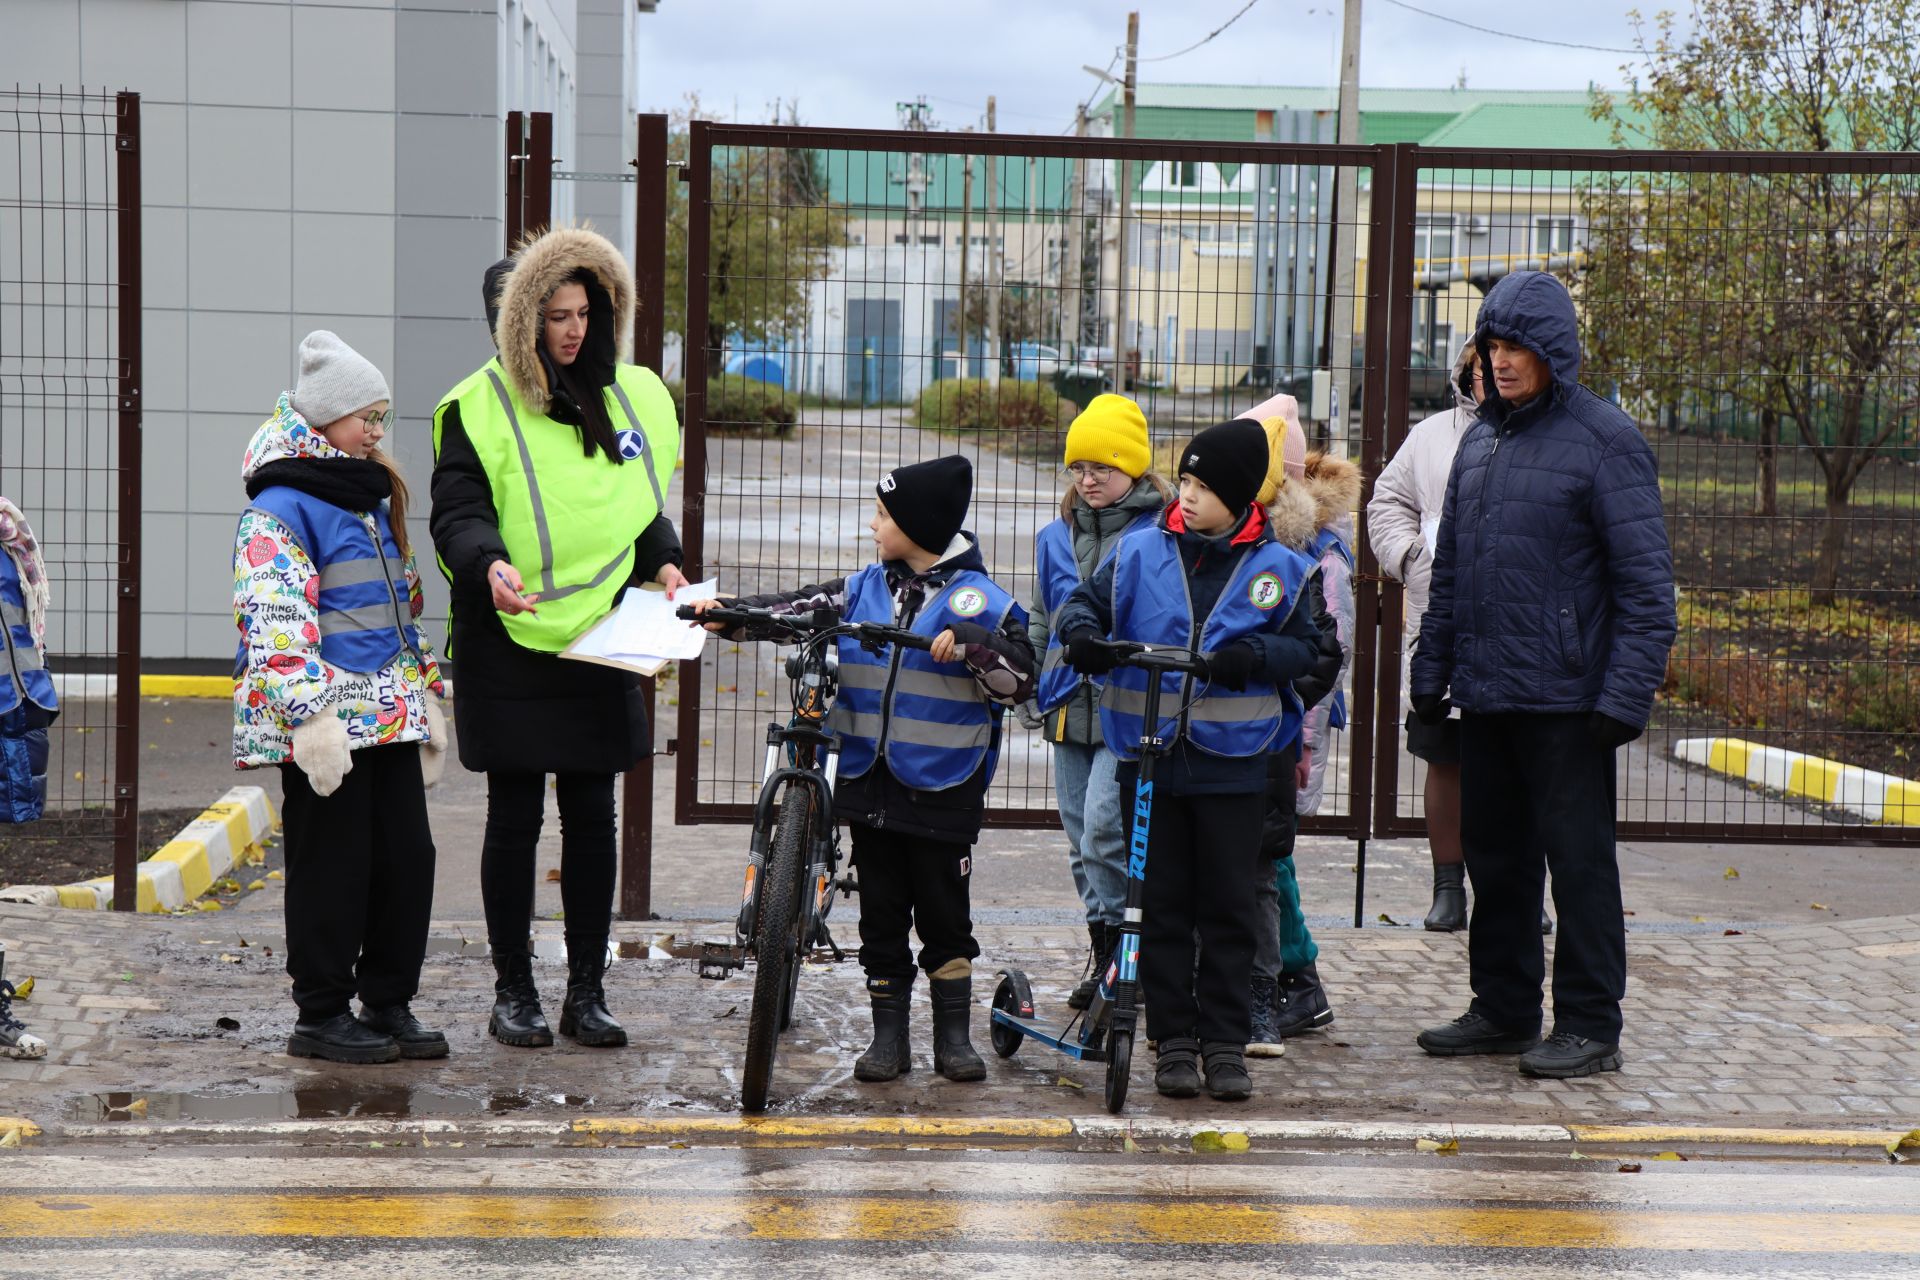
{"points": [[1106, 1025], [794, 854]]}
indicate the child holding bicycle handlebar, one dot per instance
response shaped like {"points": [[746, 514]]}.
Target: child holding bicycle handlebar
{"points": [[919, 736], [1207, 576]]}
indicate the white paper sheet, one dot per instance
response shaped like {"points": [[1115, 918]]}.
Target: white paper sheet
{"points": [[642, 633]]}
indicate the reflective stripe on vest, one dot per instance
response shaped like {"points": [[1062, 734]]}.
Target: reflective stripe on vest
{"points": [[928, 719], [365, 606], [569, 522], [1151, 603], [1059, 574]]}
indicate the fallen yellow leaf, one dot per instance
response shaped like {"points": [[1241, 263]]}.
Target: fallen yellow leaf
{"points": [[208, 905], [10, 1139], [1208, 1141], [1451, 1147], [1065, 1083], [1911, 1138], [258, 884], [276, 875], [1669, 1155], [24, 990], [21, 1125], [1819, 906], [1732, 873]]}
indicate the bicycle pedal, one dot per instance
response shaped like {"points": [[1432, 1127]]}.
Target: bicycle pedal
{"points": [[718, 960]]}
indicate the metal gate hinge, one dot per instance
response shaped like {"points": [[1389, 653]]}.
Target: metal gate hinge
{"points": [[673, 747]]}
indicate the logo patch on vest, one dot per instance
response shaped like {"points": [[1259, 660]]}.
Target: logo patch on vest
{"points": [[1265, 591], [632, 445], [968, 601]]}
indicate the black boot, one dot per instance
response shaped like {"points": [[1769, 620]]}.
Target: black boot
{"points": [[584, 1016], [517, 1018], [1100, 940], [953, 1055], [1305, 1005], [889, 1056], [1449, 913], [414, 1039], [341, 1038]]}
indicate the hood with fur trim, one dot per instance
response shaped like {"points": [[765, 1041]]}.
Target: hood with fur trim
{"points": [[517, 299], [1293, 515], [1334, 484]]}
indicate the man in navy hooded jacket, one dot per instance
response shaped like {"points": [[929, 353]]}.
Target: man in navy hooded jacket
{"points": [[1551, 615]]}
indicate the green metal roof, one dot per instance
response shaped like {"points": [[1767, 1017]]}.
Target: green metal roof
{"points": [[1543, 126], [1259, 97]]}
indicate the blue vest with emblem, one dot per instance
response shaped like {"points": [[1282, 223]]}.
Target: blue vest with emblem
{"points": [[365, 613], [929, 719], [1324, 541], [1059, 574], [23, 677], [1151, 604], [28, 705]]}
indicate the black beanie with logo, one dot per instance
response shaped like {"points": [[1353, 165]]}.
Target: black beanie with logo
{"points": [[929, 500], [1231, 459]]}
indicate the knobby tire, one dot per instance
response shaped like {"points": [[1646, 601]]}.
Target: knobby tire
{"points": [[775, 946]]}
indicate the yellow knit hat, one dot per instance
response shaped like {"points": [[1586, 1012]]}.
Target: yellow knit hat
{"points": [[1113, 432], [1286, 454]]}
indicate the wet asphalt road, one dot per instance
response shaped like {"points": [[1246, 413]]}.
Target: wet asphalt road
{"points": [[478, 1213]]}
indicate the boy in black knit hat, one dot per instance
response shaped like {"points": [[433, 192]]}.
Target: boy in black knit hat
{"points": [[1209, 577], [919, 737]]}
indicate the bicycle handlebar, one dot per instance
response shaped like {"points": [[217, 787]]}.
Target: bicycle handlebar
{"points": [[818, 624]]}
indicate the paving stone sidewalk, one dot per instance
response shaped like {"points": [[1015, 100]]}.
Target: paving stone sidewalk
{"points": [[1813, 1026]]}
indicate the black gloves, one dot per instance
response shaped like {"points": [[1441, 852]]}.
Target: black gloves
{"points": [[1086, 654], [1231, 667], [1430, 708], [1610, 733], [966, 633]]}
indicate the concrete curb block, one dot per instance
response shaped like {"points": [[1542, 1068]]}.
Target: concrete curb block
{"points": [[1877, 797], [81, 685], [227, 834], [653, 1130]]}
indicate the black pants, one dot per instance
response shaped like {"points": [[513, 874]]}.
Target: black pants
{"points": [[359, 883], [1203, 854], [911, 883], [1536, 793], [516, 807]]}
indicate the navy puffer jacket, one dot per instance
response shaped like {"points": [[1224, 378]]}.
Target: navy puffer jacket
{"points": [[1552, 575]]}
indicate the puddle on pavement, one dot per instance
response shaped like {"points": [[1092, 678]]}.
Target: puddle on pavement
{"points": [[551, 950], [329, 1103]]}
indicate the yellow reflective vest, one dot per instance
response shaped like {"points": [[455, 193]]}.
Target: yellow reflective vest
{"points": [[569, 521]]}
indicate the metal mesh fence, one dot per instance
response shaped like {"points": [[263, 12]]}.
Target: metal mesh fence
{"points": [[69, 443]]}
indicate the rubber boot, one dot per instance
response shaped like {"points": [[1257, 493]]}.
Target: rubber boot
{"points": [[953, 1055], [1449, 913], [1100, 940], [889, 1056], [584, 1016], [517, 1018], [1303, 1004]]}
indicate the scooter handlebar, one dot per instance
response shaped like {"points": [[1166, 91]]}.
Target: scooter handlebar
{"points": [[1132, 653]]}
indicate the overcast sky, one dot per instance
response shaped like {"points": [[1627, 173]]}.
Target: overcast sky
{"points": [[847, 62]]}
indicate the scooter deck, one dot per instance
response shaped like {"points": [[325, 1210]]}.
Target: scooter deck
{"points": [[1071, 1047]]}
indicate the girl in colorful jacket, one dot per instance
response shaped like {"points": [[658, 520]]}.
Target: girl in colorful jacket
{"points": [[334, 684]]}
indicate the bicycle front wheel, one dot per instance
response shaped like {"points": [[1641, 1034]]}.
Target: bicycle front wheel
{"points": [[776, 946]]}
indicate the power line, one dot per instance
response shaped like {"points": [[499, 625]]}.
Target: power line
{"points": [[1494, 31], [1166, 57]]}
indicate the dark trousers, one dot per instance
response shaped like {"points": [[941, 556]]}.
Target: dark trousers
{"points": [[1203, 855], [1537, 794], [359, 883], [516, 807], [911, 883]]}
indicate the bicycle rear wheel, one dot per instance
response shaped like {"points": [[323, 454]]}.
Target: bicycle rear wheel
{"points": [[775, 946]]}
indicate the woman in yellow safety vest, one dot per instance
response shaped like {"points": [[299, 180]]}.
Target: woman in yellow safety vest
{"points": [[550, 465]]}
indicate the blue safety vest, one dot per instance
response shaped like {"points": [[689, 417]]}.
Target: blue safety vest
{"points": [[1059, 574], [23, 671], [1152, 604], [28, 705], [929, 719], [1324, 541], [366, 616]]}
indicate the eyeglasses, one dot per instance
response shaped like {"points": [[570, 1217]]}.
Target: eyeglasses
{"points": [[1088, 471], [377, 419]]}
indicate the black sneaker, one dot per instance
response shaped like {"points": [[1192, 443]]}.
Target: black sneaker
{"points": [[1176, 1073], [1227, 1078], [415, 1040], [1470, 1033], [1264, 1042], [1564, 1056], [341, 1038]]}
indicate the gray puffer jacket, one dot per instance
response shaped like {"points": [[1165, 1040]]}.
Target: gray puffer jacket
{"points": [[1095, 534]]}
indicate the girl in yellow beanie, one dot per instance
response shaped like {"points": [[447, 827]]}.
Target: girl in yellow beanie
{"points": [[1110, 490]]}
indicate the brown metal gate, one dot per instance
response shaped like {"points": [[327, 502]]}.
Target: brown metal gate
{"points": [[70, 384]]}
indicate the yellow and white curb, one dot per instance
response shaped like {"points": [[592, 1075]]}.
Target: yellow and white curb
{"points": [[227, 834], [1877, 797]]}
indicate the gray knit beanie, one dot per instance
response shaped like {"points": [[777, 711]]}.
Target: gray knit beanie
{"points": [[334, 380]]}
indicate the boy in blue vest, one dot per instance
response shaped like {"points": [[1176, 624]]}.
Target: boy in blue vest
{"points": [[919, 737], [1208, 576]]}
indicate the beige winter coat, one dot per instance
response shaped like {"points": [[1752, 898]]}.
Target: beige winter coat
{"points": [[1409, 493]]}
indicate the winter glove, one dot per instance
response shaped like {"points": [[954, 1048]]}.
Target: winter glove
{"points": [[1231, 667], [433, 752], [1430, 708], [1610, 733], [320, 749], [1087, 655]]}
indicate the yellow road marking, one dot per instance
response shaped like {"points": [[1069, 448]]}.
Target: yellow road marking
{"points": [[1757, 1137], [919, 1218], [825, 1126], [186, 686]]}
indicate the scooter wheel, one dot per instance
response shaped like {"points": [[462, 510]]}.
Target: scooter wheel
{"points": [[1011, 997], [1119, 1065]]}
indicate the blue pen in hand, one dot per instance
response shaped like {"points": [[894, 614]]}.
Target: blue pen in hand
{"points": [[526, 602]]}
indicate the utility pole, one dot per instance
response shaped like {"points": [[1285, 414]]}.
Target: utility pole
{"points": [[1346, 202], [1072, 267], [966, 240], [991, 259], [1126, 205]]}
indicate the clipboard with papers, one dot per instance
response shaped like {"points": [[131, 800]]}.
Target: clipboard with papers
{"points": [[641, 633]]}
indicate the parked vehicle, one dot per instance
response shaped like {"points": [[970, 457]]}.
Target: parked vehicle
{"points": [[1427, 386]]}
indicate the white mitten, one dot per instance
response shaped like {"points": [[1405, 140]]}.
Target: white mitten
{"points": [[320, 749], [433, 752]]}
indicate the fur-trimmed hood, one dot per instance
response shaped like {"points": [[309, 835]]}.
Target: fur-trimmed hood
{"points": [[516, 292], [1292, 516], [1334, 484]]}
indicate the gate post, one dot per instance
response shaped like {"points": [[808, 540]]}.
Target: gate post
{"points": [[529, 174], [126, 709]]}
